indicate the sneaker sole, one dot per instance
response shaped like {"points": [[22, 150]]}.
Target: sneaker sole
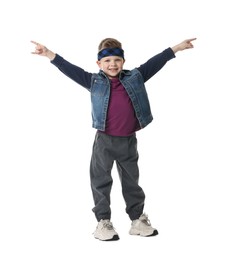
{"points": [[114, 238], [155, 232]]}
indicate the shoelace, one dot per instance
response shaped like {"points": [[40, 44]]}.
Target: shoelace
{"points": [[108, 225], [145, 220]]}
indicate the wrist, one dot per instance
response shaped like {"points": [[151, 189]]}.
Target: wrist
{"points": [[176, 48], [51, 55]]}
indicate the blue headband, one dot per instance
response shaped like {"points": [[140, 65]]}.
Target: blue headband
{"points": [[110, 52]]}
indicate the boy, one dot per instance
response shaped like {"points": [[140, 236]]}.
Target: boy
{"points": [[120, 107]]}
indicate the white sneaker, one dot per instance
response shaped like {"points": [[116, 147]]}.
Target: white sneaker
{"points": [[105, 231], [142, 227]]}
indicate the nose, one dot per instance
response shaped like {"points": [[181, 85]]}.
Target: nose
{"points": [[113, 63]]}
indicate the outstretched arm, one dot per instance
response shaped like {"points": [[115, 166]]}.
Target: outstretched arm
{"points": [[43, 51], [186, 44]]}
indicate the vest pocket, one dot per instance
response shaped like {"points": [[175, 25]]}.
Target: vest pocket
{"points": [[99, 88]]}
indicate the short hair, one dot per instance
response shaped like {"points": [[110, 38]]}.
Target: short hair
{"points": [[109, 43]]}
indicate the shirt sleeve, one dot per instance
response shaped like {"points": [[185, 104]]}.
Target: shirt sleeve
{"points": [[153, 65], [72, 71]]}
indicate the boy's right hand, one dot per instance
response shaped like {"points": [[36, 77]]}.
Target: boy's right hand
{"points": [[43, 51]]}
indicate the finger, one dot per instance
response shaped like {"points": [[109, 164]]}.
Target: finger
{"points": [[192, 39], [37, 51], [34, 42]]}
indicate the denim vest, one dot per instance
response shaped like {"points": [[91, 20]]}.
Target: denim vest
{"points": [[134, 85]]}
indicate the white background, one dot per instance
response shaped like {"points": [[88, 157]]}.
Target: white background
{"points": [[187, 154]]}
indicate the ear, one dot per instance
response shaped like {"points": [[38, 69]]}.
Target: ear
{"points": [[98, 63]]}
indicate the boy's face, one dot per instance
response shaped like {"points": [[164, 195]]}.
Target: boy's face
{"points": [[111, 65]]}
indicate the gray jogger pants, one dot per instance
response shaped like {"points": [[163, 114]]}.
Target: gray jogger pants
{"points": [[122, 150]]}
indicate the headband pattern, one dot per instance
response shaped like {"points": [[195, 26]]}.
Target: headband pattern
{"points": [[110, 52]]}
